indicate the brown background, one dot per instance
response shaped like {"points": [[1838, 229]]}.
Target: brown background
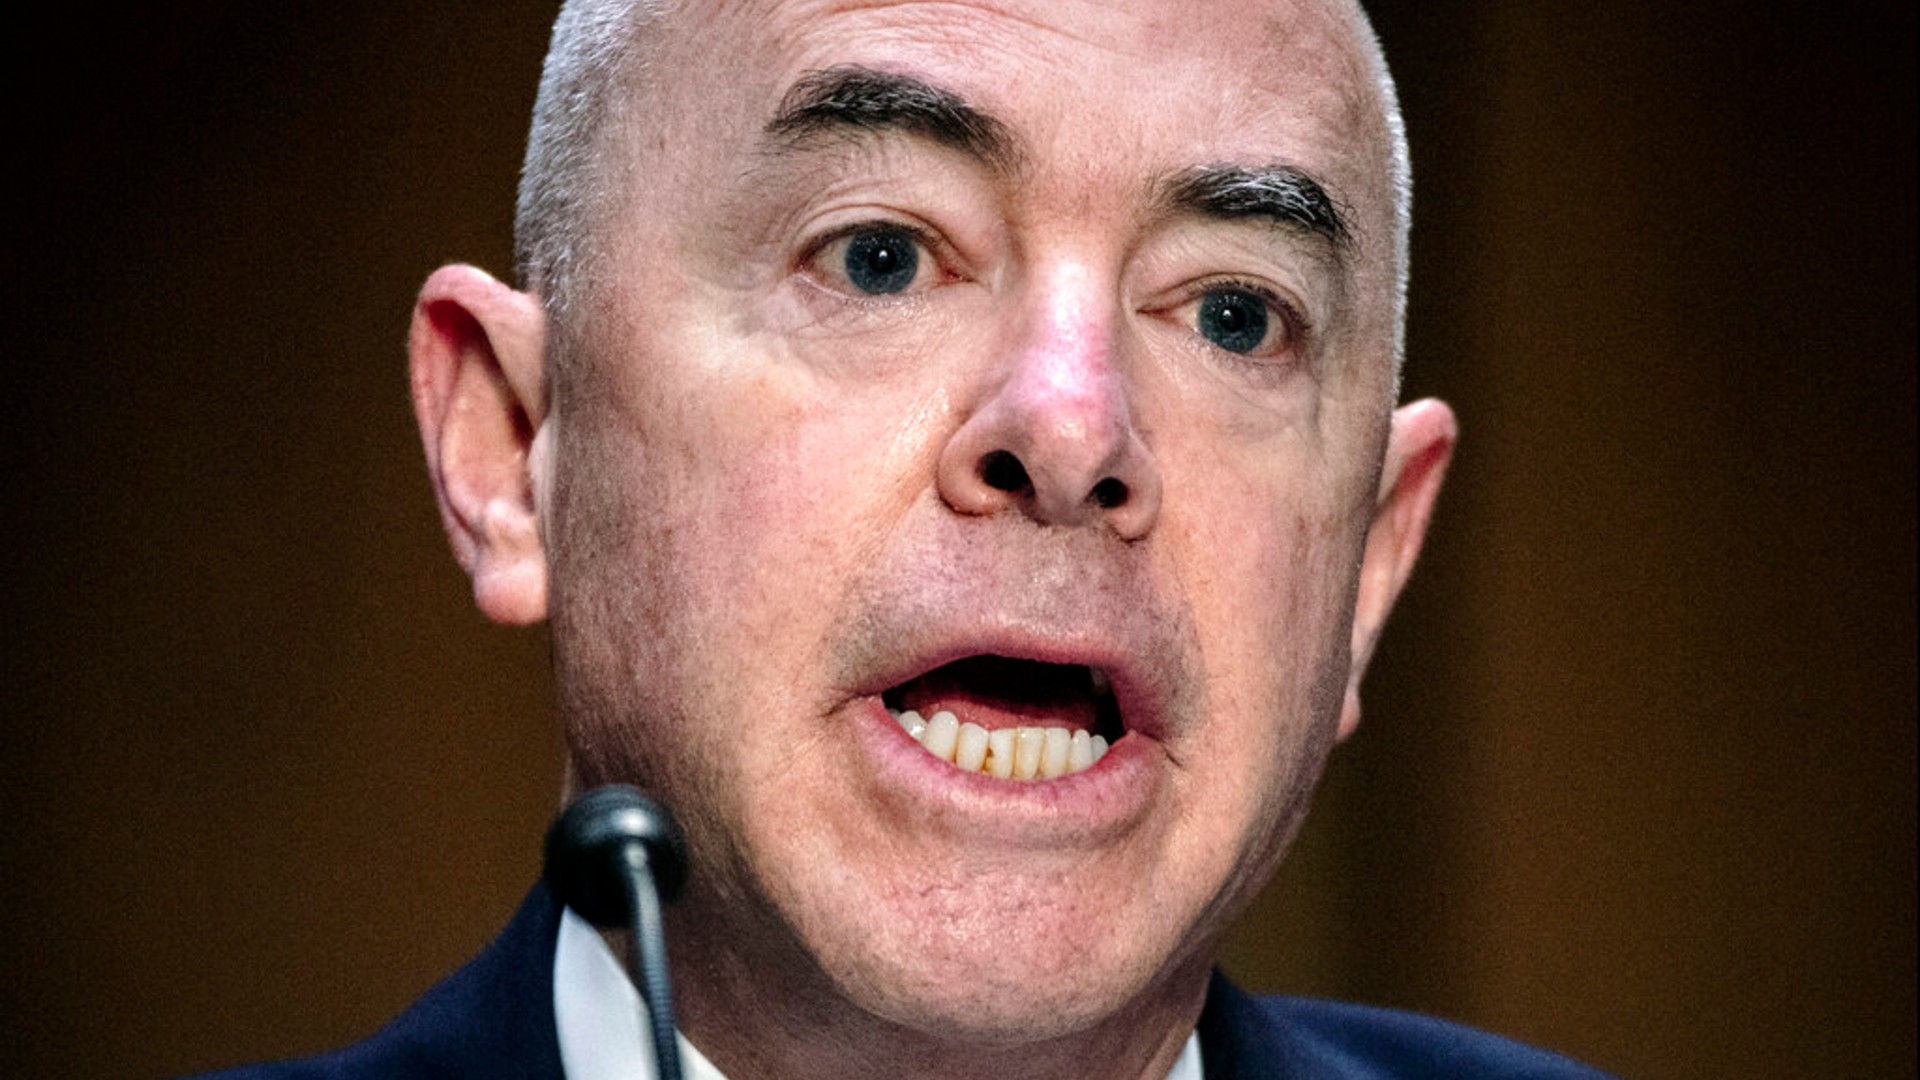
{"points": [[1638, 773]]}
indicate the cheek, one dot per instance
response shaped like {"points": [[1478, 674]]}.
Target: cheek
{"points": [[1260, 518], [1267, 558], [770, 463], [1273, 617], [743, 496], [786, 488]]}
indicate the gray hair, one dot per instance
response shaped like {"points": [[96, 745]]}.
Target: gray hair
{"points": [[563, 181], [1400, 175]]}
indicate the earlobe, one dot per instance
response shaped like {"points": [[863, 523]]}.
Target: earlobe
{"points": [[479, 393], [1419, 447]]}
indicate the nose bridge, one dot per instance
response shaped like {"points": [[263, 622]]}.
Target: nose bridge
{"points": [[1065, 386], [1055, 434]]}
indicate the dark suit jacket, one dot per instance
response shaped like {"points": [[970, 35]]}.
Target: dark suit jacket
{"points": [[494, 1018]]}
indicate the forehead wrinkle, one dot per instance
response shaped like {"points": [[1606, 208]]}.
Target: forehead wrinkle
{"points": [[984, 23]]}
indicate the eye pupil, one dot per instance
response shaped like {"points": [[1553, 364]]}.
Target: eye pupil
{"points": [[1233, 319], [882, 261]]}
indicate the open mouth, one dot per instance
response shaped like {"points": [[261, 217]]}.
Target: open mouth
{"points": [[1011, 719]]}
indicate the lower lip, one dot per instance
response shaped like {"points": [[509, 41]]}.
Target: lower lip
{"points": [[1109, 796]]}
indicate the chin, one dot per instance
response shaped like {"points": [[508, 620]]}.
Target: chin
{"points": [[997, 965]]}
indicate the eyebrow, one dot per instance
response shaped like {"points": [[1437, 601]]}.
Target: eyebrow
{"points": [[1280, 194], [849, 100]]}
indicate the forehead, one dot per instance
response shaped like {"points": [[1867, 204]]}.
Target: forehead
{"points": [[1279, 49], [1090, 88]]}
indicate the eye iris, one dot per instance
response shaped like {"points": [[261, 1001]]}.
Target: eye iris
{"points": [[882, 261], [1234, 320]]}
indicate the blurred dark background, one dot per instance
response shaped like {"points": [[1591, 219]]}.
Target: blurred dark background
{"points": [[1637, 777]]}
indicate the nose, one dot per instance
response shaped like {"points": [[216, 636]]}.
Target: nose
{"points": [[1055, 438]]}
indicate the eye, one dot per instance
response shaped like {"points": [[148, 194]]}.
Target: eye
{"points": [[1236, 319], [878, 259]]}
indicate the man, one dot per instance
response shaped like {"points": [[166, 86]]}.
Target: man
{"points": [[955, 448]]}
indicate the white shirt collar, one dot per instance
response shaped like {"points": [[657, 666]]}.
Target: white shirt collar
{"points": [[597, 1012]]}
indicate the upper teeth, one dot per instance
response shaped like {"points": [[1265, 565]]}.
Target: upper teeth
{"points": [[1019, 753]]}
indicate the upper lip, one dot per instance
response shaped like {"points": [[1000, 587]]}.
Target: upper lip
{"points": [[954, 588]]}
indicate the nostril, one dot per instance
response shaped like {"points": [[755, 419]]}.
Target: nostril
{"points": [[1002, 471], [1109, 493]]}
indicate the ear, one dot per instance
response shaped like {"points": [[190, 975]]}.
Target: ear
{"points": [[1418, 448], [479, 392]]}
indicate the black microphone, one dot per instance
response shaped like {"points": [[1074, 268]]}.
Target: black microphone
{"points": [[614, 857]]}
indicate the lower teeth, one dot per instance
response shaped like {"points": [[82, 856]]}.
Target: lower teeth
{"points": [[1022, 753]]}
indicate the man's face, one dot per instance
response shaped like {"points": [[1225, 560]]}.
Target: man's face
{"points": [[961, 378]]}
